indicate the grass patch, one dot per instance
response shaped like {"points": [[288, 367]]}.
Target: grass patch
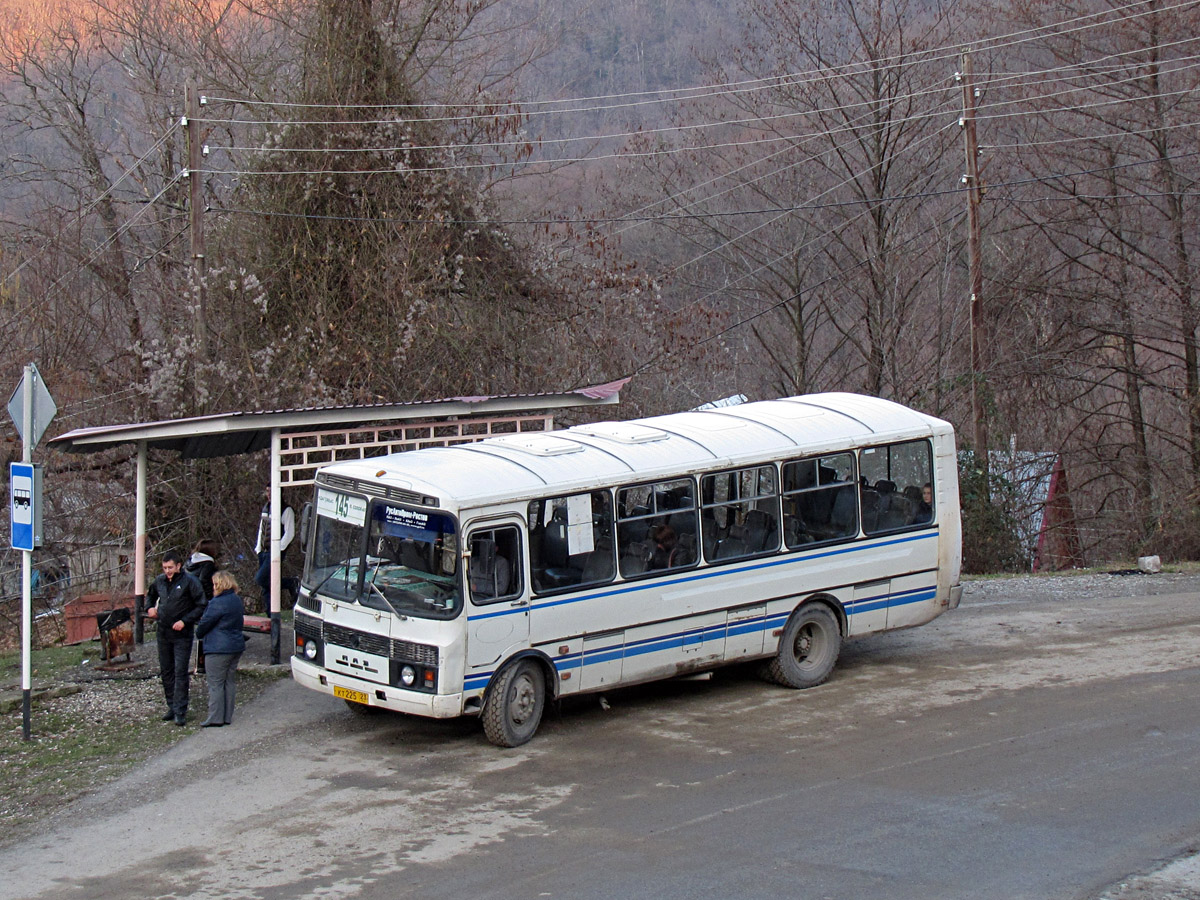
{"points": [[49, 664]]}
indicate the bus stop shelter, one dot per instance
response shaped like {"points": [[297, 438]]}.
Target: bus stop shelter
{"points": [[302, 440]]}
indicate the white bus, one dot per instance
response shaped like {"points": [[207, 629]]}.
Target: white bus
{"points": [[488, 578]]}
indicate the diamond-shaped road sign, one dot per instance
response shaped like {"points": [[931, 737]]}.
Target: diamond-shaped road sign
{"points": [[44, 408]]}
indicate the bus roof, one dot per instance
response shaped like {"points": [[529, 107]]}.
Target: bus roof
{"points": [[575, 459]]}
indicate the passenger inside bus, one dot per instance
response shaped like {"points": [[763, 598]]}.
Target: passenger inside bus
{"points": [[665, 547], [924, 511]]}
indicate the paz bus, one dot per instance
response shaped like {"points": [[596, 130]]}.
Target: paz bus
{"points": [[487, 579]]}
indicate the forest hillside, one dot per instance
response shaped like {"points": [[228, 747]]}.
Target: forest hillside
{"points": [[408, 201]]}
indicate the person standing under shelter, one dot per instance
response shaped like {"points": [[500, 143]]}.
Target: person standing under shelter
{"points": [[221, 629], [201, 565], [262, 546], [176, 602]]}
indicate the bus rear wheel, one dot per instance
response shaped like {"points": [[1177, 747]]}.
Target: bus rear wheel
{"points": [[808, 648], [514, 705]]}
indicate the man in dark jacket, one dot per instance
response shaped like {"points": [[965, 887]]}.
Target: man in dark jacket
{"points": [[177, 601]]}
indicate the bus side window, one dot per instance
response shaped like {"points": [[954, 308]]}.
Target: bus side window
{"points": [[570, 541], [657, 527], [740, 513], [819, 501]]}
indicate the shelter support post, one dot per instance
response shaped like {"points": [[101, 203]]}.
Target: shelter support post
{"points": [[276, 575], [139, 548]]}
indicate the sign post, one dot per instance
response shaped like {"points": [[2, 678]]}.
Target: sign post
{"points": [[31, 408]]}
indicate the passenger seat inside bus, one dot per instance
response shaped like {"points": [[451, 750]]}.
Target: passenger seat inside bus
{"points": [[734, 545], [599, 563], [415, 555], [489, 572], [760, 531], [635, 557]]}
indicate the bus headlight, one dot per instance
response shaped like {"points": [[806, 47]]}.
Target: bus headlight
{"points": [[408, 676], [310, 649]]}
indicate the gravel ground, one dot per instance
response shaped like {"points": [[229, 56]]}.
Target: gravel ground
{"points": [[1089, 586], [135, 696], [83, 740], [1175, 880]]}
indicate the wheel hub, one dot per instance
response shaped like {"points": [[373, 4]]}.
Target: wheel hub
{"points": [[522, 703]]}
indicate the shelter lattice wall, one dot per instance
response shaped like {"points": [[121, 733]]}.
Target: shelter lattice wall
{"points": [[302, 453]]}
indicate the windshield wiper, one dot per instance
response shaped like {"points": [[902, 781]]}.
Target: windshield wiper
{"points": [[370, 583], [385, 598], [345, 565]]}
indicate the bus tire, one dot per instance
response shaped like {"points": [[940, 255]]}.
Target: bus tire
{"points": [[808, 648], [514, 705]]}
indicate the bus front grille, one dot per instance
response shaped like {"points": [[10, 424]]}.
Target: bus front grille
{"points": [[418, 653], [381, 645]]}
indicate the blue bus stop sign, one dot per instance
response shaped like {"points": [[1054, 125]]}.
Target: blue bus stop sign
{"points": [[25, 506]]}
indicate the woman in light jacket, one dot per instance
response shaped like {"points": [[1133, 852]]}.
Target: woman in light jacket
{"points": [[221, 628]]}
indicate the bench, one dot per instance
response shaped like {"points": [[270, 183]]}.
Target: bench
{"points": [[258, 624]]}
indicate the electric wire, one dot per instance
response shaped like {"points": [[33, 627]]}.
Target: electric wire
{"points": [[717, 214], [403, 168], [92, 204], [998, 42], [96, 252]]}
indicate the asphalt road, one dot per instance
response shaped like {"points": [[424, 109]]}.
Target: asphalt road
{"points": [[1043, 741]]}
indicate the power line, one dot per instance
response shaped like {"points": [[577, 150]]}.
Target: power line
{"points": [[998, 42], [95, 254], [539, 143], [92, 205], [1084, 69], [1084, 138], [1076, 108]]}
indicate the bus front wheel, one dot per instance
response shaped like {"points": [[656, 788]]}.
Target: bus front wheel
{"points": [[808, 648], [513, 709]]}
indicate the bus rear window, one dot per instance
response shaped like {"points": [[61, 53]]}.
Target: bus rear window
{"points": [[897, 486]]}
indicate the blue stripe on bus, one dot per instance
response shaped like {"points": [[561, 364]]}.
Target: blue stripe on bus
{"points": [[703, 634], [705, 574], [918, 595]]}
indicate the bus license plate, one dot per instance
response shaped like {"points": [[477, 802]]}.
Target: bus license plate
{"points": [[354, 696]]}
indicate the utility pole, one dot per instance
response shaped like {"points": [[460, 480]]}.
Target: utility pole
{"points": [[975, 252], [192, 103]]}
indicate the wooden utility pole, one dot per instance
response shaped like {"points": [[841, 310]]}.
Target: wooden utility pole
{"points": [[975, 251], [192, 103]]}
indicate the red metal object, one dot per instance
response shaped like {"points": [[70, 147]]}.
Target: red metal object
{"points": [[81, 613], [116, 633]]}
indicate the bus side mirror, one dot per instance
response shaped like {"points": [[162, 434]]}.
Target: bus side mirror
{"points": [[305, 519]]}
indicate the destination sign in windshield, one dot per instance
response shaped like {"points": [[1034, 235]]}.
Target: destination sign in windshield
{"points": [[342, 507]]}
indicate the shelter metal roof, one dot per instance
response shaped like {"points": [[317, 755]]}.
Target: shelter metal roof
{"points": [[246, 431]]}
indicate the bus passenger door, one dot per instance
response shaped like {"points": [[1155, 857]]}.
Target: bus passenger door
{"points": [[498, 602]]}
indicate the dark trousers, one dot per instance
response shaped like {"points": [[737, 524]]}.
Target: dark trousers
{"points": [[174, 658], [263, 579], [222, 686]]}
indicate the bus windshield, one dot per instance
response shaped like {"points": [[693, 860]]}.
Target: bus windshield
{"points": [[334, 564], [411, 566]]}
